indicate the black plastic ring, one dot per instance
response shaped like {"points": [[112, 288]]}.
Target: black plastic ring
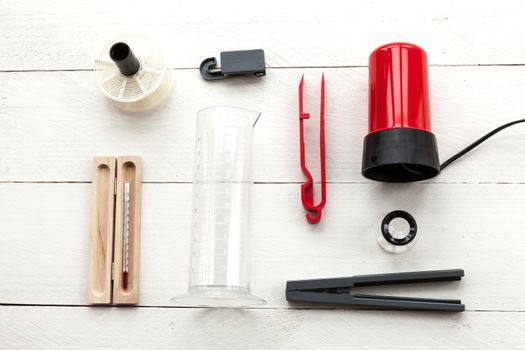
{"points": [[386, 232]]}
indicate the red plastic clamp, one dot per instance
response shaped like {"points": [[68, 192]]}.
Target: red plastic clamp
{"points": [[307, 190]]}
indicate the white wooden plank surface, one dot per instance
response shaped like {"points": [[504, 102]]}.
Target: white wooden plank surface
{"points": [[459, 225], [53, 120], [139, 328], [293, 33]]}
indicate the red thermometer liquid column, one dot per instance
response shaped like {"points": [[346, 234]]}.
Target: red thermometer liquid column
{"points": [[400, 146]]}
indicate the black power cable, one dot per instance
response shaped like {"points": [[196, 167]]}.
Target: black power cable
{"points": [[477, 143]]}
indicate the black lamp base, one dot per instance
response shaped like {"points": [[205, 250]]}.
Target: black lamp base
{"points": [[400, 155]]}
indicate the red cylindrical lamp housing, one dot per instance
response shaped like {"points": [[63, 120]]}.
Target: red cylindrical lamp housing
{"points": [[400, 146]]}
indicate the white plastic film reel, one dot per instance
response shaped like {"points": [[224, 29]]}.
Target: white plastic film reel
{"points": [[144, 89]]}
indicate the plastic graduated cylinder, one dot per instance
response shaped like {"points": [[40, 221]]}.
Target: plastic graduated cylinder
{"points": [[220, 244]]}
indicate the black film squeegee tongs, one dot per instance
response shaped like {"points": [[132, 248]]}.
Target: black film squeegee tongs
{"points": [[339, 291]]}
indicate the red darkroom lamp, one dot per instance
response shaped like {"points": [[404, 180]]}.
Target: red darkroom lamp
{"points": [[400, 146]]}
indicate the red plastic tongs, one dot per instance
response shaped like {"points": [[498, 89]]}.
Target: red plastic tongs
{"points": [[307, 188]]}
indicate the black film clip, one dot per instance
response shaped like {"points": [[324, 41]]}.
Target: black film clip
{"points": [[234, 63], [339, 291]]}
